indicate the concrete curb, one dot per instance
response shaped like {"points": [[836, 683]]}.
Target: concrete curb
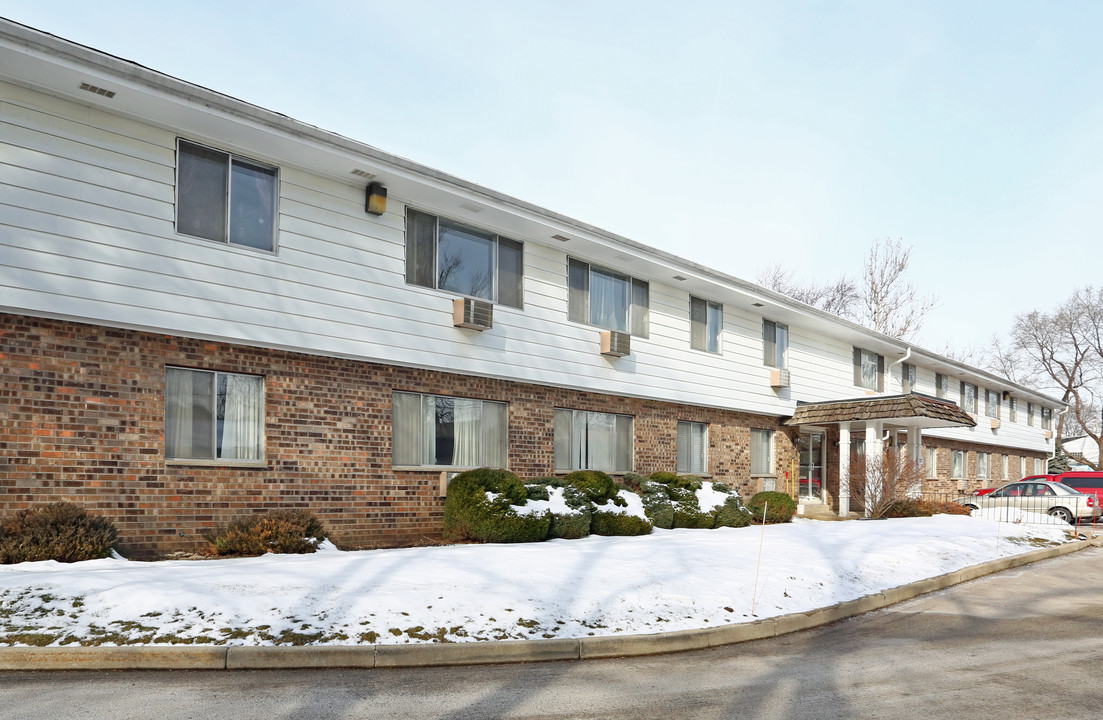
{"points": [[133, 657]]}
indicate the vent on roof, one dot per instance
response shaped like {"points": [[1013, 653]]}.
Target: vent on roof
{"points": [[561, 238], [473, 208], [679, 278], [361, 173], [98, 90]]}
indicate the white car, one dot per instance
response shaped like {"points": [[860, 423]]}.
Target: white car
{"points": [[1037, 496]]}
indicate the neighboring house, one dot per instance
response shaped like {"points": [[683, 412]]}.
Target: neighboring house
{"points": [[1081, 449], [206, 311]]}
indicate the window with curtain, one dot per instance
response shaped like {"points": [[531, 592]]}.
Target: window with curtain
{"points": [[907, 378], [942, 385], [957, 469], [762, 452], [213, 415], [608, 299], [1012, 409], [930, 462], [693, 444], [592, 441], [982, 465], [992, 403], [448, 431], [968, 393], [1030, 414], [449, 256], [706, 321], [869, 369], [1047, 418], [226, 198], [775, 344], [1039, 466]]}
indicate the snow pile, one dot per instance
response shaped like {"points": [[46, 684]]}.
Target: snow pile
{"points": [[669, 580]]}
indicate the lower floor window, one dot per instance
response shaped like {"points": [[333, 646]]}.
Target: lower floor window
{"points": [[592, 441], [455, 432], [982, 465], [1039, 468], [958, 470], [930, 461], [213, 415], [762, 455], [693, 443]]}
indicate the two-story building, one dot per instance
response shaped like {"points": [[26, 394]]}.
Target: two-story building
{"points": [[208, 309]]}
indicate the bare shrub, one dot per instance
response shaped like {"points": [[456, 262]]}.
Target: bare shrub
{"points": [[874, 487]]}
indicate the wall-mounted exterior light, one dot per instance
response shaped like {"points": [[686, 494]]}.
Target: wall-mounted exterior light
{"points": [[377, 199]]}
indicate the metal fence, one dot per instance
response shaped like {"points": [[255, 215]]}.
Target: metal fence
{"points": [[1042, 509]]}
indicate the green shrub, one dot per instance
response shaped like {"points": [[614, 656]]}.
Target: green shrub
{"points": [[656, 504], [597, 486], [922, 508], [681, 482], [610, 523], [633, 482], [780, 507], [568, 526], [731, 514], [59, 531], [470, 513], [280, 531]]}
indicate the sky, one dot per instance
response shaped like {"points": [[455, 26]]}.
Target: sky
{"points": [[737, 134]]}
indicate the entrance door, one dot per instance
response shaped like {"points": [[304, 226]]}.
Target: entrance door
{"points": [[812, 449]]}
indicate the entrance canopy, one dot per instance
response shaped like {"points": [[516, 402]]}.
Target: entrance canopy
{"points": [[911, 410]]}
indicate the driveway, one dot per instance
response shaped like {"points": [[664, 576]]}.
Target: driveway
{"points": [[1025, 643]]}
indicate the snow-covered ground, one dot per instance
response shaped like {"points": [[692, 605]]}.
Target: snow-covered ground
{"points": [[670, 580]]}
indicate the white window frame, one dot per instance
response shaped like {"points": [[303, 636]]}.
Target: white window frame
{"points": [[1047, 418], [402, 449], [686, 429], [969, 400], [775, 344], [705, 335], [227, 193], [1030, 414], [983, 461], [992, 403], [502, 248], [566, 421], [930, 462], [942, 385], [864, 358], [1012, 409], [1039, 467], [215, 458], [908, 378]]}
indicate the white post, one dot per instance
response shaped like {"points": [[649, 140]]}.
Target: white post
{"points": [[915, 460], [844, 471], [874, 451]]}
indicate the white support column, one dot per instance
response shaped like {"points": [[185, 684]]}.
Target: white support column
{"points": [[874, 451], [844, 471], [915, 458]]}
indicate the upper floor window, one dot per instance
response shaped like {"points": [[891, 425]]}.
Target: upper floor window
{"points": [[992, 403], [606, 298], [706, 320], [968, 397], [449, 256], [907, 378], [775, 344], [450, 431], [213, 415], [224, 197], [942, 385], [693, 446], [762, 452], [869, 369], [1012, 409], [592, 441], [1047, 418]]}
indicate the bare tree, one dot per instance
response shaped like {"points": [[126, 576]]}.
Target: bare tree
{"points": [[1063, 350], [890, 304], [883, 300]]}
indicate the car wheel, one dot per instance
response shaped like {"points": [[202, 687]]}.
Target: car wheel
{"points": [[1061, 514], [970, 507]]}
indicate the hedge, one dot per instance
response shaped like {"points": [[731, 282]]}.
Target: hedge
{"points": [[482, 505]]}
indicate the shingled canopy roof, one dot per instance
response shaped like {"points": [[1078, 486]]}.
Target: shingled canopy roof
{"points": [[911, 409]]}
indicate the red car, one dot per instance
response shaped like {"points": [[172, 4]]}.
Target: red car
{"points": [[1085, 481]]}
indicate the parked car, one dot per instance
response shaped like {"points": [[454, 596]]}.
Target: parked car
{"points": [[1039, 496], [1086, 481]]}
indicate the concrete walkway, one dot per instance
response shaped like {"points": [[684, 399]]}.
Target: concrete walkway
{"points": [[392, 656]]}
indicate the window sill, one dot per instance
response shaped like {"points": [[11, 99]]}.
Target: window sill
{"points": [[218, 462], [768, 475], [435, 468]]}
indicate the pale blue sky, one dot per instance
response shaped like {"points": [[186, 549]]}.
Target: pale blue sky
{"points": [[734, 134]]}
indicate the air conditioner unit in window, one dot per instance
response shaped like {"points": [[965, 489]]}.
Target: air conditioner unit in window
{"points": [[779, 378], [472, 314], [615, 344], [445, 478], [995, 424]]}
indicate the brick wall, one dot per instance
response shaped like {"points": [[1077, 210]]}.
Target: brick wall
{"points": [[82, 419], [944, 460]]}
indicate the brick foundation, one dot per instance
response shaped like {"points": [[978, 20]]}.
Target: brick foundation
{"points": [[82, 419]]}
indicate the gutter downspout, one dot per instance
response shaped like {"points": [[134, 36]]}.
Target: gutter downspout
{"points": [[1056, 435], [907, 356]]}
